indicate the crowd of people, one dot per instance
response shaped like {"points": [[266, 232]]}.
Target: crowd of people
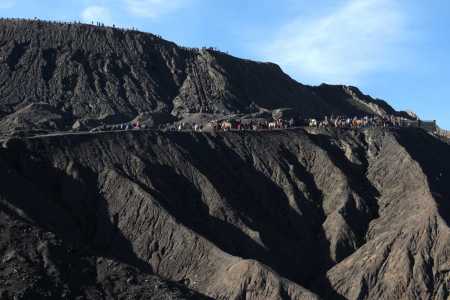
{"points": [[340, 122], [445, 134], [120, 127], [362, 122], [343, 122]]}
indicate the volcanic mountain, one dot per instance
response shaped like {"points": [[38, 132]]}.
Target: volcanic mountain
{"points": [[53, 75], [306, 213]]}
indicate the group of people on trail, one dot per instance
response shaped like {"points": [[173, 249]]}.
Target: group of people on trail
{"points": [[237, 125], [327, 122], [120, 127], [359, 122], [279, 124], [128, 126]]}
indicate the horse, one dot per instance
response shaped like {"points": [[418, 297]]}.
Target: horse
{"points": [[324, 124], [226, 126], [313, 123], [356, 123]]}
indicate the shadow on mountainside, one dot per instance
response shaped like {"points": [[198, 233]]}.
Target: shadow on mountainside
{"points": [[289, 239], [319, 284], [311, 207], [433, 157], [357, 218], [66, 203], [185, 203]]}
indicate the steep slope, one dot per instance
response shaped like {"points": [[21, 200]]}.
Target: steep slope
{"points": [[110, 75], [38, 265], [407, 253], [358, 214]]}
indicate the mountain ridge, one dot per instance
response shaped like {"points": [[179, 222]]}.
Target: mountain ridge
{"points": [[109, 75]]}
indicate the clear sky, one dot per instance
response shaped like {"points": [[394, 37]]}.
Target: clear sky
{"points": [[397, 50]]}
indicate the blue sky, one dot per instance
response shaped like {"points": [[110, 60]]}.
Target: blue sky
{"points": [[397, 50]]}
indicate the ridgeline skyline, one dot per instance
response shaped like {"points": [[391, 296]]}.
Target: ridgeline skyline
{"points": [[389, 49]]}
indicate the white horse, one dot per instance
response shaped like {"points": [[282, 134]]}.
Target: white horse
{"points": [[313, 123], [272, 125], [226, 126]]}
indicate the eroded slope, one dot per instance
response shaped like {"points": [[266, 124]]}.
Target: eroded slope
{"points": [[248, 215]]}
